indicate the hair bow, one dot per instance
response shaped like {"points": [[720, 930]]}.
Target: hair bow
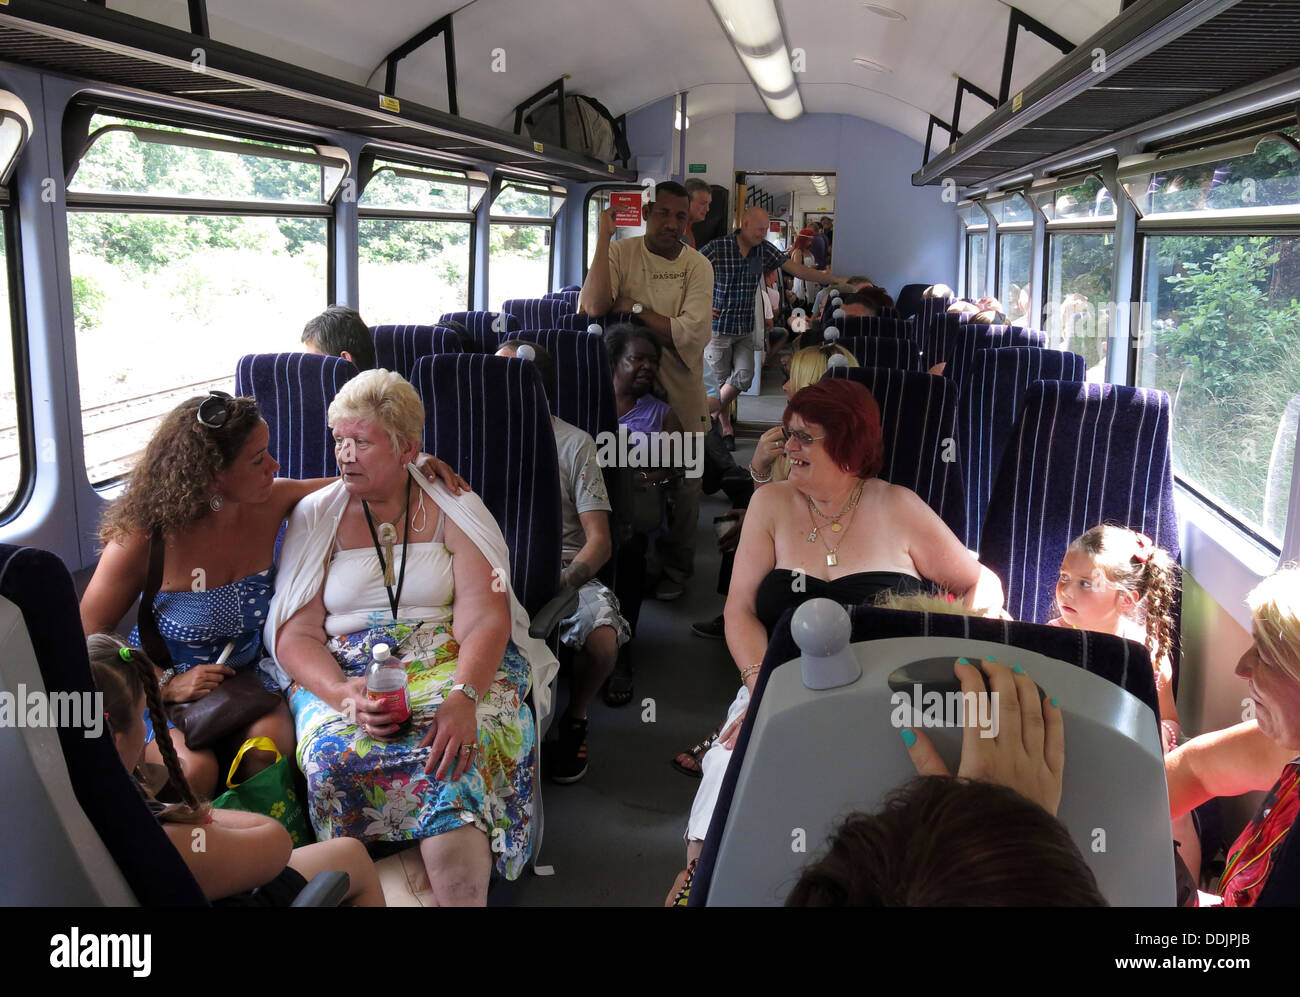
{"points": [[1145, 548]]}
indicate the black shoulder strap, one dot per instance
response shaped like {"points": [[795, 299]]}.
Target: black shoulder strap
{"points": [[150, 638]]}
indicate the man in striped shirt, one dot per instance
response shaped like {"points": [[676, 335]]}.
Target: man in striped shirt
{"points": [[740, 261]]}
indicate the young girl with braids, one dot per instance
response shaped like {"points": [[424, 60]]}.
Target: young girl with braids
{"points": [[1108, 577], [247, 859]]}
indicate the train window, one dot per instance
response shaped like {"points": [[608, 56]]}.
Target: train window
{"points": [[1015, 218], [522, 230], [15, 421], [1244, 178], [598, 201], [188, 250], [977, 248], [1080, 267], [416, 235]]}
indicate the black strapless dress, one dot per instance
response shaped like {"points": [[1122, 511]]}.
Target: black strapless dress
{"points": [[777, 593]]}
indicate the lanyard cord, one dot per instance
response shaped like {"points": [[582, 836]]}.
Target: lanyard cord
{"points": [[1233, 869], [393, 599]]}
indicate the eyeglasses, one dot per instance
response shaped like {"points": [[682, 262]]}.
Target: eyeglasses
{"points": [[799, 435], [214, 411]]}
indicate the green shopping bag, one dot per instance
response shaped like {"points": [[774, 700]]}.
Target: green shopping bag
{"points": [[269, 792]]}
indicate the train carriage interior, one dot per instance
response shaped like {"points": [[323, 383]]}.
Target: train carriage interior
{"points": [[183, 185]]}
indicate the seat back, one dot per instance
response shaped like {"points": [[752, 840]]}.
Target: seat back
{"points": [[538, 313], [568, 297], [294, 391], [75, 829], [909, 299], [397, 347], [878, 351], [1079, 455], [487, 417], [918, 416], [865, 325], [930, 310], [584, 383], [1114, 775], [965, 340], [484, 327], [989, 406]]}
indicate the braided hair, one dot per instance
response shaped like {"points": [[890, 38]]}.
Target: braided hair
{"points": [[1131, 561], [124, 674]]}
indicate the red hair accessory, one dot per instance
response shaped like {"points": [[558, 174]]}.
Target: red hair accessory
{"points": [[1145, 548], [950, 597]]}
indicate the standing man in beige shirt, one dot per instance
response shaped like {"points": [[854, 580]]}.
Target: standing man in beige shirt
{"points": [[669, 287]]}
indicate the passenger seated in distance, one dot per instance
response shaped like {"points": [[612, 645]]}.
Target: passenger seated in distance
{"points": [[987, 838], [206, 485], [597, 629], [1249, 756], [835, 449], [458, 777], [938, 291], [338, 331], [635, 355], [247, 859]]}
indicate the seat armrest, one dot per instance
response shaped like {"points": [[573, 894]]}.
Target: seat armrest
{"points": [[563, 604], [326, 889]]}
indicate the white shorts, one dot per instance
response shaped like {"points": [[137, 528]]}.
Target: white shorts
{"points": [[597, 607], [714, 767]]}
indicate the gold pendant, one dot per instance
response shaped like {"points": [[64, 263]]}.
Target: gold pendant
{"points": [[830, 559], [836, 527]]}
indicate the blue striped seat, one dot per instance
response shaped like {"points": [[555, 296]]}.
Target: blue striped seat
{"points": [[483, 327], [540, 313], [930, 310], [918, 417], [37, 582], [568, 297], [1079, 455], [397, 347], [971, 337], [487, 417], [989, 408], [294, 391], [878, 351], [909, 299], [864, 325], [1119, 661]]}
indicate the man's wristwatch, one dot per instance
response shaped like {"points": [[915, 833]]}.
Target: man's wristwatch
{"points": [[470, 692], [638, 308]]}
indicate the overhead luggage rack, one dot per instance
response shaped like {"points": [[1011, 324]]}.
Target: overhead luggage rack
{"points": [[105, 46], [1160, 57]]}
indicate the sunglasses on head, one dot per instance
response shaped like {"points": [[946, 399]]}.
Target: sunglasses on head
{"points": [[799, 435], [214, 411]]}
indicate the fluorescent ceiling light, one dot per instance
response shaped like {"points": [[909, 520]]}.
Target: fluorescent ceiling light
{"points": [[888, 13], [872, 64], [754, 29]]}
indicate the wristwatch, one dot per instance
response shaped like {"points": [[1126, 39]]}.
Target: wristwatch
{"points": [[638, 308], [467, 689]]}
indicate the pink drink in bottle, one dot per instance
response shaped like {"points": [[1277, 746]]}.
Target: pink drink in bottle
{"points": [[386, 684]]}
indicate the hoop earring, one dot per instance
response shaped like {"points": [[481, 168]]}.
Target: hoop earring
{"points": [[216, 502]]}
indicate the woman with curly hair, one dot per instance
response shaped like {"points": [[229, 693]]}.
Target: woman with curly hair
{"points": [[206, 487]]}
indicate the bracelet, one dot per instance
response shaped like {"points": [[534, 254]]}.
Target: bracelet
{"points": [[757, 480], [747, 672]]}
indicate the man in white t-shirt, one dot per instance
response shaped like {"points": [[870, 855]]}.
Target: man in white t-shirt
{"points": [[596, 630]]}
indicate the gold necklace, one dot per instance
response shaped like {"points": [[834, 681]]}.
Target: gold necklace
{"points": [[849, 506]]}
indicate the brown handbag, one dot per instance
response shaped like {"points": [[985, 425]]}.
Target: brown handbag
{"points": [[231, 706]]}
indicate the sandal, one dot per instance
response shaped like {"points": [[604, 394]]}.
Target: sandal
{"points": [[618, 687], [691, 762]]}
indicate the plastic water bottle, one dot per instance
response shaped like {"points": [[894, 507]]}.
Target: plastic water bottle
{"points": [[386, 684]]}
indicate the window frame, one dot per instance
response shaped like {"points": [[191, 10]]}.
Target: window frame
{"points": [[586, 207], [25, 428], [116, 203], [473, 180], [500, 181]]}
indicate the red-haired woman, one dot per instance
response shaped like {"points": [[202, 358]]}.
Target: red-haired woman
{"points": [[831, 530]]}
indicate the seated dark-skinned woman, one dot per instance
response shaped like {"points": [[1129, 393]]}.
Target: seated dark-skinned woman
{"points": [[831, 530]]}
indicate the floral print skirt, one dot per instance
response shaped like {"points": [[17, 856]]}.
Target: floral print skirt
{"points": [[361, 787]]}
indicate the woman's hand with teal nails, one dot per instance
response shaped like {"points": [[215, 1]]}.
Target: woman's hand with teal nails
{"points": [[1023, 747]]}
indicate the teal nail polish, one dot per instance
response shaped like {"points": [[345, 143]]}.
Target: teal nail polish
{"points": [[1054, 702], [1017, 669], [962, 661], [909, 737], [992, 659]]}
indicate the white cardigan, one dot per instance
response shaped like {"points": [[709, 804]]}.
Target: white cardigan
{"points": [[310, 540]]}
